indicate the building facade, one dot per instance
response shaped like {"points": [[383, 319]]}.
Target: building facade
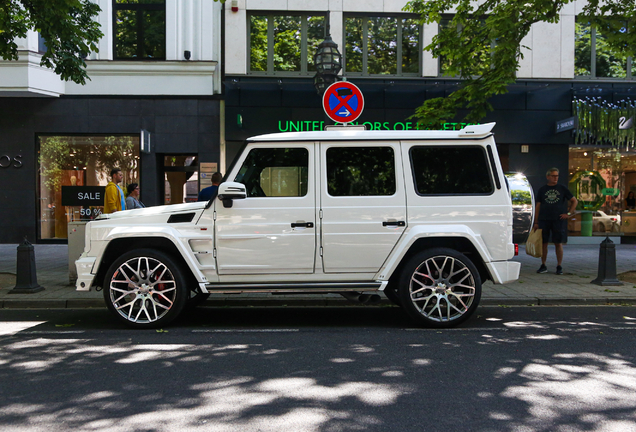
{"points": [[177, 85], [566, 69], [152, 107]]}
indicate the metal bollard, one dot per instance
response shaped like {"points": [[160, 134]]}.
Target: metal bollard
{"points": [[607, 265], [26, 279]]}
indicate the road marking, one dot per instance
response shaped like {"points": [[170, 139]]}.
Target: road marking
{"points": [[52, 332], [459, 329], [246, 331]]}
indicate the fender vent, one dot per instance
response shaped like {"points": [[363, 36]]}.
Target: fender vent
{"points": [[181, 218]]}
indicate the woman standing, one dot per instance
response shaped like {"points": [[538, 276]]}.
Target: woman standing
{"points": [[132, 202]]}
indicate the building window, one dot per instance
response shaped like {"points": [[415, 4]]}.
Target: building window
{"points": [[73, 173], [140, 29], [382, 45], [594, 58], [282, 44]]}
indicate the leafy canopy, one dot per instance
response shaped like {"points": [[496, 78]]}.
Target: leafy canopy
{"points": [[68, 28], [481, 45]]}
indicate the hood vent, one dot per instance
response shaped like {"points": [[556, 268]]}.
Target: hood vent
{"points": [[181, 218]]}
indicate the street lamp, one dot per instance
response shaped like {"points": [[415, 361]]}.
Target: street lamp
{"points": [[328, 61]]}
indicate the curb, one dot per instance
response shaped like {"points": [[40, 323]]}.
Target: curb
{"points": [[281, 303]]}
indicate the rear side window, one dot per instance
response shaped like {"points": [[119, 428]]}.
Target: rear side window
{"points": [[360, 171], [451, 170]]}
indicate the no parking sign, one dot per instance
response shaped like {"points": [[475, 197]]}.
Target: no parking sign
{"points": [[343, 102]]}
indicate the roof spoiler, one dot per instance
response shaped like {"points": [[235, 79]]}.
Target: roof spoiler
{"points": [[480, 130]]}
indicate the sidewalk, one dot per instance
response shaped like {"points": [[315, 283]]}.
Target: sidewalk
{"points": [[573, 288]]}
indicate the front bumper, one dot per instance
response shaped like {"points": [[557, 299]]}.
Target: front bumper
{"points": [[85, 278]]}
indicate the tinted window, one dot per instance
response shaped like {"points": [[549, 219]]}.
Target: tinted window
{"points": [[275, 172], [360, 171], [450, 170]]}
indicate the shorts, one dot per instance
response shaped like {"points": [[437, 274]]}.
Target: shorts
{"points": [[557, 229]]}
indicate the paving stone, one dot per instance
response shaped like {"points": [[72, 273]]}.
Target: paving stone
{"points": [[580, 265]]}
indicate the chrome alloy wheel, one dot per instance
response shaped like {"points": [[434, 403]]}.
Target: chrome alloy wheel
{"points": [[142, 290], [442, 288]]}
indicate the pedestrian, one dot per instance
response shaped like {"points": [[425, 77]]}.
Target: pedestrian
{"points": [[114, 196], [132, 202], [210, 192], [555, 203], [630, 201]]}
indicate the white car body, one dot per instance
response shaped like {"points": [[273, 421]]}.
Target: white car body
{"points": [[604, 222], [318, 242]]}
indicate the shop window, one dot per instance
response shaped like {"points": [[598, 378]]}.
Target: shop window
{"points": [[72, 176], [281, 44], [451, 171], [382, 45], [140, 29], [361, 171], [275, 172], [593, 56], [601, 179]]}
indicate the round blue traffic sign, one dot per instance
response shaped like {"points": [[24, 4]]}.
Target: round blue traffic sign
{"points": [[343, 102]]}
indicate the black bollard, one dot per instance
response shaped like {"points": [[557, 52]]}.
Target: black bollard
{"points": [[607, 265], [26, 279]]}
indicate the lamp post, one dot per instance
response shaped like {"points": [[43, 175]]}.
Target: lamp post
{"points": [[328, 61]]}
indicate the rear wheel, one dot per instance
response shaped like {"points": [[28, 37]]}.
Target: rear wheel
{"points": [[439, 288], [145, 289]]}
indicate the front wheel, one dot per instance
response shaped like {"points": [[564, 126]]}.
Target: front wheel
{"points": [[439, 288], [145, 289]]}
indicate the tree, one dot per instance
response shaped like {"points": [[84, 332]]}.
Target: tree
{"points": [[481, 45], [67, 27]]}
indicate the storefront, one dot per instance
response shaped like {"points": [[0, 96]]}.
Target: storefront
{"points": [[602, 168], [57, 156]]}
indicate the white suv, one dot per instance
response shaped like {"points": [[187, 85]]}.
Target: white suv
{"points": [[424, 216]]}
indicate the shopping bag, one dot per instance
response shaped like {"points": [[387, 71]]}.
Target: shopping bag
{"points": [[534, 244]]}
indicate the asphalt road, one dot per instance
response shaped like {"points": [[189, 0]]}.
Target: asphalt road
{"points": [[320, 369]]}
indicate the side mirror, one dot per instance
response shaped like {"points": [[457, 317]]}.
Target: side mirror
{"points": [[230, 191]]}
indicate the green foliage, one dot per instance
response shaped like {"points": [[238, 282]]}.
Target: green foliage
{"points": [[67, 26], [62, 153], [481, 45]]}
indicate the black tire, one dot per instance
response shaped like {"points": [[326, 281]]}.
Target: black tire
{"points": [[601, 227], [439, 288], [145, 288]]}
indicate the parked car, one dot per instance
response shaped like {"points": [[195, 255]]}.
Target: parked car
{"points": [[602, 222], [523, 206], [424, 216]]}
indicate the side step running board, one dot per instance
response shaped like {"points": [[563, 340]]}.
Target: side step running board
{"points": [[295, 287]]}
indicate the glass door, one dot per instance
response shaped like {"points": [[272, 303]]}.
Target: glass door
{"points": [[181, 179]]}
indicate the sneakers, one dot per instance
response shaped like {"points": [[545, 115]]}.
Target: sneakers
{"points": [[542, 269], [559, 270]]}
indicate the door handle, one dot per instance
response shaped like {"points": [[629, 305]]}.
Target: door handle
{"points": [[394, 223], [302, 225]]}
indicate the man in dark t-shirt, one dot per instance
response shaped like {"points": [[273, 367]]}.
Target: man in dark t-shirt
{"points": [[554, 203], [210, 192]]}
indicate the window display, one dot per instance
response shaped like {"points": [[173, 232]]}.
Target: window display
{"points": [[601, 178], [73, 173]]}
